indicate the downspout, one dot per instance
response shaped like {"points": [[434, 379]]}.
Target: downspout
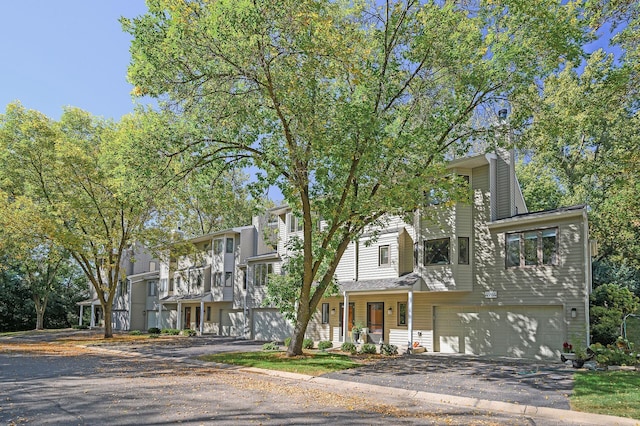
{"points": [[410, 319], [493, 202], [129, 290], [356, 262], [512, 177], [588, 274]]}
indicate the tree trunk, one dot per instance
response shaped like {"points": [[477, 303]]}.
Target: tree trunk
{"points": [[39, 319], [41, 306], [108, 330], [295, 347]]}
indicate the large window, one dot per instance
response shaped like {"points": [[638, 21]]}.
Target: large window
{"points": [[436, 252], [152, 288], [383, 255], [261, 272], [463, 250], [295, 223], [229, 245], [218, 246], [532, 248]]}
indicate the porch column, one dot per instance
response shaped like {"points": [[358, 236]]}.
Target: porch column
{"points": [[201, 316], [160, 315], [345, 317], [81, 314], [92, 323], [179, 318], [410, 318]]}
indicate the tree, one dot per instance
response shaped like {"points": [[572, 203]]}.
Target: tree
{"points": [[89, 185], [610, 303], [350, 108]]}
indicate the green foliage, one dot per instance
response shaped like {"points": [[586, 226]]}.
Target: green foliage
{"points": [[270, 346], [307, 343], [615, 354], [388, 349], [349, 347], [350, 108], [153, 330], [188, 332], [287, 341], [607, 392], [135, 332], [610, 303], [324, 345], [368, 348], [171, 331], [80, 327]]}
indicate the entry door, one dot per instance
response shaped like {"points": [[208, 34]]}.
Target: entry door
{"points": [[351, 319], [187, 317], [198, 317], [375, 321]]}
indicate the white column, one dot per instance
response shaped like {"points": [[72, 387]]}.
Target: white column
{"points": [[410, 317], [345, 317], [160, 315], [179, 319], [81, 314], [201, 316], [92, 323]]}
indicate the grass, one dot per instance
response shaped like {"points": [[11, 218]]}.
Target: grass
{"points": [[615, 393], [313, 364]]}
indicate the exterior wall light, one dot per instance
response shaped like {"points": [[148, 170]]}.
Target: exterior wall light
{"points": [[574, 312]]}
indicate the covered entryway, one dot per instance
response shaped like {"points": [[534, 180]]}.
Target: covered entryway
{"points": [[269, 325], [515, 331], [375, 321]]}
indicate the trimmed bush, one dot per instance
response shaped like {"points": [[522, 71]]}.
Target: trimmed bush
{"points": [[153, 330], [80, 327], [387, 349], [324, 345], [171, 331], [307, 343], [368, 348], [349, 347], [154, 336], [135, 332], [188, 332], [270, 346]]}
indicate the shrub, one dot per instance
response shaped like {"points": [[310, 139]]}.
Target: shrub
{"points": [[171, 331], [80, 327], [348, 347], [388, 349], [324, 344], [368, 348], [188, 332], [135, 332], [270, 346], [613, 355], [287, 341], [307, 343], [154, 336], [153, 330]]}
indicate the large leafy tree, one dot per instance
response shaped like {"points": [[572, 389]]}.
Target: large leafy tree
{"points": [[89, 185], [349, 107]]}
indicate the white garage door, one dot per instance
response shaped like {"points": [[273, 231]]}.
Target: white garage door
{"points": [[515, 331], [232, 322], [269, 325]]}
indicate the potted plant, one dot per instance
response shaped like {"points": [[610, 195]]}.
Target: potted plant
{"points": [[575, 353], [355, 332]]}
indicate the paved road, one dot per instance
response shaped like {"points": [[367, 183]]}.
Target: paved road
{"points": [[160, 383]]}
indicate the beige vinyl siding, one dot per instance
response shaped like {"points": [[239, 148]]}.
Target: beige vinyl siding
{"points": [[346, 268], [368, 263], [405, 253], [503, 188]]}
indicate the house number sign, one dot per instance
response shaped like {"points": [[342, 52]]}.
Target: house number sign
{"points": [[491, 294]]}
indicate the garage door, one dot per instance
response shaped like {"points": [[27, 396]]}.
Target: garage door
{"points": [[515, 331], [269, 325], [232, 322]]}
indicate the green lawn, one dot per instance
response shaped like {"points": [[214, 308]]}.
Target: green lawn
{"points": [[615, 393], [312, 364]]}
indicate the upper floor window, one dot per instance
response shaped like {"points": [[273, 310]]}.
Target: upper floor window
{"points": [[531, 248], [436, 252], [295, 223], [123, 288], [152, 266], [152, 288], [217, 279], [463, 250], [218, 246], [171, 284], [383, 255], [261, 272], [228, 279], [229, 245]]}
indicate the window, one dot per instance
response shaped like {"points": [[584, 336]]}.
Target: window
{"points": [[208, 313], [163, 284], [383, 255], [402, 313], [532, 248], [325, 313], [229, 245], [228, 279], [178, 281], [295, 223], [153, 288], [436, 252], [217, 279], [261, 272], [171, 284], [123, 288], [463, 250], [244, 280], [152, 266], [218, 246]]}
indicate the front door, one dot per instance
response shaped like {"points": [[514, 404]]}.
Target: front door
{"points": [[198, 318], [187, 317], [375, 321], [351, 316]]}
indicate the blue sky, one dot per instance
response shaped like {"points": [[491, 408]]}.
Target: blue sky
{"points": [[66, 52]]}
